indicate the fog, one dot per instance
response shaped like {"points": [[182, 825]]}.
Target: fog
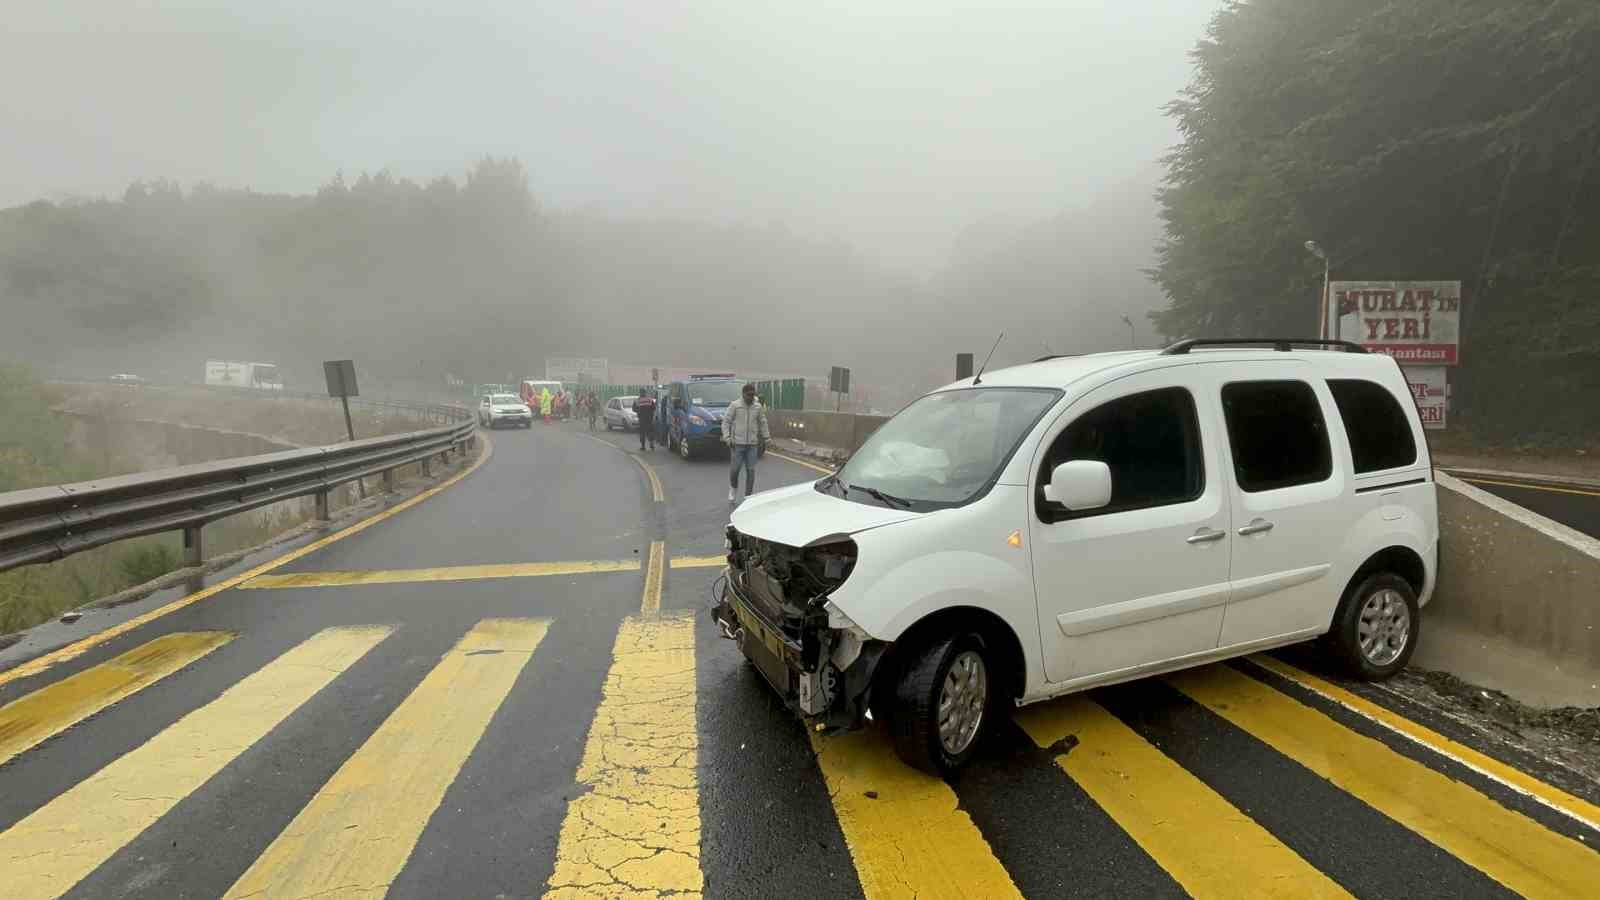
{"points": [[874, 184]]}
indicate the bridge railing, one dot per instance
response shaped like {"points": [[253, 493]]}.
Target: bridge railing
{"points": [[45, 524]]}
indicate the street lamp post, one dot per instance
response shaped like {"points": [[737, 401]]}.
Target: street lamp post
{"points": [[1133, 344], [1322, 326]]}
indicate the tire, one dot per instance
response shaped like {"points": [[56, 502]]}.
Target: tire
{"points": [[1379, 599], [915, 721], [685, 449]]}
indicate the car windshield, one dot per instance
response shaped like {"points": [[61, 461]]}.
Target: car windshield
{"points": [[505, 400], [714, 393], [943, 449], [627, 402]]}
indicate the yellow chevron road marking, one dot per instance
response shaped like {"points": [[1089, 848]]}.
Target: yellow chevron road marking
{"points": [[1204, 842], [910, 838], [54, 709], [52, 849], [1503, 844], [355, 835], [1519, 781]]}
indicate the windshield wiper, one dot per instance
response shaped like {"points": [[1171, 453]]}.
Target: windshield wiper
{"points": [[876, 494]]}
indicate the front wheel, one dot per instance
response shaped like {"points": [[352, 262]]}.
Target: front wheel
{"points": [[942, 704], [684, 449], [1375, 628]]}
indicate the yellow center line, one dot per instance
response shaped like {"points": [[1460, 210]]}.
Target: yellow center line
{"points": [[52, 710], [800, 462], [650, 604], [697, 562], [1532, 487], [54, 847], [906, 831], [1576, 807], [1502, 843], [1204, 842], [78, 648], [657, 495], [354, 836], [444, 573], [635, 831]]}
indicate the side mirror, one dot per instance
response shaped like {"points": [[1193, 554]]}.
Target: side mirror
{"points": [[1080, 484]]}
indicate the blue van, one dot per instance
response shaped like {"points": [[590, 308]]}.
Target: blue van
{"points": [[695, 408]]}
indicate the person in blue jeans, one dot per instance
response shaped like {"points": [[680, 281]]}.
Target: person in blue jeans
{"points": [[744, 430]]}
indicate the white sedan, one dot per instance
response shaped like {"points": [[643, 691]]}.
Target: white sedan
{"points": [[495, 410], [620, 414]]}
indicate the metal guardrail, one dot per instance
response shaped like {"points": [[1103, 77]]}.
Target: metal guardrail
{"points": [[49, 523]]}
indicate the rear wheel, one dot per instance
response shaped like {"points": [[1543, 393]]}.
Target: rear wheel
{"points": [[1375, 628], [943, 704], [684, 449]]}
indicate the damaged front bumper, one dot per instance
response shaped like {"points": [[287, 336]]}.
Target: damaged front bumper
{"points": [[825, 675]]}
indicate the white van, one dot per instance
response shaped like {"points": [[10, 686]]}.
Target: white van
{"points": [[1086, 520]]}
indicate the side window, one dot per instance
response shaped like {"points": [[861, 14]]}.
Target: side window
{"points": [[1380, 435], [1151, 442], [1277, 434]]}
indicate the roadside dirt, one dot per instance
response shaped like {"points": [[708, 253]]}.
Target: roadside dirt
{"points": [[1466, 452], [1567, 735]]}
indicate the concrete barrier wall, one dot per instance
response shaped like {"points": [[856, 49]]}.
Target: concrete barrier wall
{"points": [[1512, 581], [841, 431]]}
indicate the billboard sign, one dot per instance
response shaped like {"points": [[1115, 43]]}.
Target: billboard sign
{"points": [[1430, 388], [577, 369], [1416, 322]]}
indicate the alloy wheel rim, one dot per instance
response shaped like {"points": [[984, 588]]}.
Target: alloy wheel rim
{"points": [[1384, 627], [962, 699]]}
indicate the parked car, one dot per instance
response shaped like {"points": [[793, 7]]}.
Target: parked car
{"points": [[1083, 521], [125, 379], [495, 410], [620, 415]]}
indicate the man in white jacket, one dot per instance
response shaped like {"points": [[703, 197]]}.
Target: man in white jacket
{"points": [[744, 430]]}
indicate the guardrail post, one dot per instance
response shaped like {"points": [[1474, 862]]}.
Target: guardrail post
{"points": [[193, 555], [427, 467], [388, 481], [322, 506]]}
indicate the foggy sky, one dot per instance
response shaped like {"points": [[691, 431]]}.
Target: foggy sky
{"points": [[891, 124]]}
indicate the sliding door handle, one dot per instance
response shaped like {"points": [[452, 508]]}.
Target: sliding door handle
{"points": [[1257, 526], [1206, 536]]}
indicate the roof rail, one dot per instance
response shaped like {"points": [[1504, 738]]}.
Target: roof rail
{"points": [[1282, 345]]}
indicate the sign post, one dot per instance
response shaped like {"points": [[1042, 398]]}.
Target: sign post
{"points": [[839, 383], [341, 375]]}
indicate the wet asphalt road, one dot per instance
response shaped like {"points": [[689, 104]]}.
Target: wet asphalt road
{"points": [[579, 775], [1575, 505]]}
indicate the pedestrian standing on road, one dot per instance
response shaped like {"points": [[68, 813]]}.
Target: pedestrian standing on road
{"points": [[744, 430], [644, 406], [589, 406], [545, 404]]}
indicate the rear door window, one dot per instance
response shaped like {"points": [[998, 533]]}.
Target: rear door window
{"points": [[1380, 434], [1277, 434]]}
